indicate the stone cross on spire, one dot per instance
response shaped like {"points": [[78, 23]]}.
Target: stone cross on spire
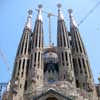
{"points": [[29, 19]]}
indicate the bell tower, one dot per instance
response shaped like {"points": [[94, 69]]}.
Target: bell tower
{"points": [[83, 74], [21, 66], [64, 51], [36, 65]]}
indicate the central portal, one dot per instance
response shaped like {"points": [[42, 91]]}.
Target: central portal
{"points": [[51, 98]]}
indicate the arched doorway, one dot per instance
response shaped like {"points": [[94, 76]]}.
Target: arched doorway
{"points": [[51, 98]]}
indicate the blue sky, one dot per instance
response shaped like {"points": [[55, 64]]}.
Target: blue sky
{"points": [[13, 14]]}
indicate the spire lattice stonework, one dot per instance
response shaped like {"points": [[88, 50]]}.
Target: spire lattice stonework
{"points": [[64, 51], [80, 59], [22, 60]]}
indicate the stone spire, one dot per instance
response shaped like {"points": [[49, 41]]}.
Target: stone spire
{"points": [[36, 68], [38, 29], [80, 58], [29, 19], [74, 27], [22, 60], [64, 51], [62, 32]]}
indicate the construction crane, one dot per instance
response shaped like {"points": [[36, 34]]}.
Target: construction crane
{"points": [[49, 17], [3, 57], [89, 13], [2, 85]]}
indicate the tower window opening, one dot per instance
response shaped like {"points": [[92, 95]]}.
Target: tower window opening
{"points": [[15, 66], [37, 76], [79, 62], [38, 56], [77, 84], [51, 98], [83, 46], [84, 85], [29, 47], [75, 66], [35, 65], [84, 66], [25, 86], [35, 57], [22, 74], [64, 40], [64, 76], [62, 59], [39, 40], [27, 67], [80, 47], [18, 73], [22, 47], [31, 61], [25, 47], [61, 40], [76, 47], [71, 43], [66, 56], [58, 40], [36, 41], [68, 43], [70, 58], [19, 66], [75, 41], [20, 85], [23, 65], [79, 42]]}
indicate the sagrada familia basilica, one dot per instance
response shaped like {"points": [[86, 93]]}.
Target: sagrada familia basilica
{"points": [[59, 72]]}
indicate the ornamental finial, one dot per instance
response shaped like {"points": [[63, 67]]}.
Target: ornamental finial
{"points": [[60, 15], [72, 20], [59, 5], [29, 19], [70, 11], [30, 12], [39, 16]]}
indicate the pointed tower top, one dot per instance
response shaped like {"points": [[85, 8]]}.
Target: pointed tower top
{"points": [[30, 12], [72, 20], [60, 15], [29, 19], [39, 16]]}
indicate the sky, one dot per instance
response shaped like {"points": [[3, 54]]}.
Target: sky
{"points": [[13, 15]]}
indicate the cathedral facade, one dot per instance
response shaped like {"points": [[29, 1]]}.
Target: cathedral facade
{"points": [[59, 72]]}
